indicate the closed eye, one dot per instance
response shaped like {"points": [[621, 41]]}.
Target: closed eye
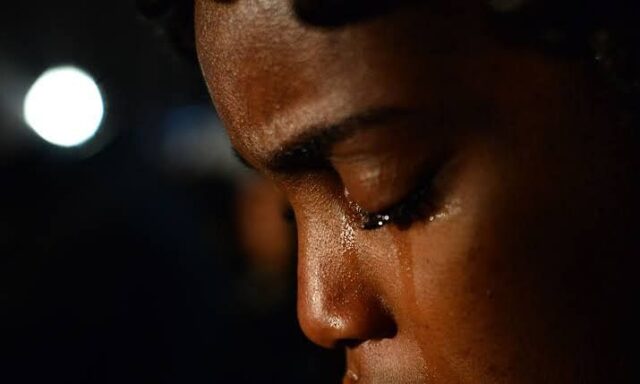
{"points": [[418, 204]]}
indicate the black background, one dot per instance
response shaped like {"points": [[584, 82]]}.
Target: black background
{"points": [[114, 269]]}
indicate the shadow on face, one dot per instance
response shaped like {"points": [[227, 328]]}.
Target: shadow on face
{"points": [[464, 208]]}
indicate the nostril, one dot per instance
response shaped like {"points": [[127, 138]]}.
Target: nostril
{"points": [[387, 327], [332, 326], [387, 331], [338, 302], [377, 324]]}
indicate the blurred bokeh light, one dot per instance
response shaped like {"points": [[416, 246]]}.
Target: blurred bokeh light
{"points": [[64, 106], [120, 257]]}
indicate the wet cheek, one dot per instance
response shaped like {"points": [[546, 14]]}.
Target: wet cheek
{"points": [[446, 249], [452, 284]]}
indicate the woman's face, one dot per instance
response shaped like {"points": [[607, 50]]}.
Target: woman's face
{"points": [[462, 207]]}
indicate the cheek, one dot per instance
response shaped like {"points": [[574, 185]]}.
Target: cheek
{"points": [[493, 282], [466, 291]]}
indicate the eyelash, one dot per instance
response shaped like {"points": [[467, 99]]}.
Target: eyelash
{"points": [[412, 208], [415, 206]]}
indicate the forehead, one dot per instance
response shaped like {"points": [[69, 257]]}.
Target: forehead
{"points": [[271, 75]]}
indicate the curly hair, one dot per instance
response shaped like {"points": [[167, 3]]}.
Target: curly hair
{"points": [[603, 31]]}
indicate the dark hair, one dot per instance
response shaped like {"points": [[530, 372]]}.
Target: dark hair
{"points": [[603, 31], [336, 13]]}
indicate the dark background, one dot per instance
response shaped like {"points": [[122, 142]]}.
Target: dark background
{"points": [[118, 261]]}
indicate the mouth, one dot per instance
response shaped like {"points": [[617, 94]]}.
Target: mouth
{"points": [[350, 377], [385, 361]]}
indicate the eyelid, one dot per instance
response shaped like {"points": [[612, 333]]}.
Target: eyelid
{"points": [[417, 204], [381, 166], [378, 180]]}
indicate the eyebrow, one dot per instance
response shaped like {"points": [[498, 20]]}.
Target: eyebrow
{"points": [[309, 149]]}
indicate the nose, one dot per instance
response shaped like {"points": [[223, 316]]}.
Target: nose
{"points": [[338, 303]]}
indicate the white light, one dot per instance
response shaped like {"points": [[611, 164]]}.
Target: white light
{"points": [[64, 106]]}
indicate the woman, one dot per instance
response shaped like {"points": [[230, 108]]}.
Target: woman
{"points": [[461, 174]]}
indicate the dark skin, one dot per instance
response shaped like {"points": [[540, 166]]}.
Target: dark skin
{"points": [[516, 264]]}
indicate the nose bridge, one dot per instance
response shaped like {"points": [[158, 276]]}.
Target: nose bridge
{"points": [[337, 301]]}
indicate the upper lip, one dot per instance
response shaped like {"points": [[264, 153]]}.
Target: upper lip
{"points": [[350, 377]]}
